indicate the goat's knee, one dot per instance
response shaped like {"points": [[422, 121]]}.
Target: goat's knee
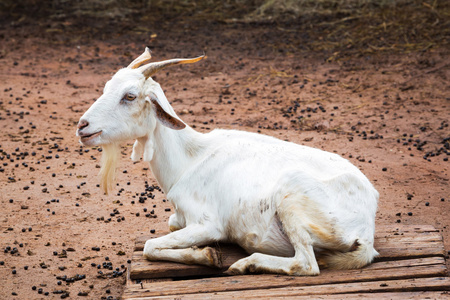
{"points": [[206, 256], [214, 257], [149, 250], [174, 223]]}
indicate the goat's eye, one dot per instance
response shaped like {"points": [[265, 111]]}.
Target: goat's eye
{"points": [[129, 97]]}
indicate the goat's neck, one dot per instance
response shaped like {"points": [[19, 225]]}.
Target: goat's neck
{"points": [[174, 151]]}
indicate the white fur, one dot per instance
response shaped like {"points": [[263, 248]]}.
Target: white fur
{"points": [[292, 206], [110, 158]]}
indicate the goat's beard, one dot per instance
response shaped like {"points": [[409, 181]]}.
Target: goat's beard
{"points": [[110, 158]]}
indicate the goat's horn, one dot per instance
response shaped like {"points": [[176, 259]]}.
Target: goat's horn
{"points": [[152, 68], [142, 59]]}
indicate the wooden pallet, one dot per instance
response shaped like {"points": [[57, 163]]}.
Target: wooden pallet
{"points": [[411, 265]]}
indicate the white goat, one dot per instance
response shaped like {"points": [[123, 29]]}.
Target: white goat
{"points": [[292, 207]]}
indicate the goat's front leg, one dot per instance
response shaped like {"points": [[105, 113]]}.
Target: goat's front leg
{"points": [[182, 246], [174, 223]]}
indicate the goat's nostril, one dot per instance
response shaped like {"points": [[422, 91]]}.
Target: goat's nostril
{"points": [[82, 124]]}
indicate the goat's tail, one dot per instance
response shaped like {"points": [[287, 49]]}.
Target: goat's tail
{"points": [[360, 254]]}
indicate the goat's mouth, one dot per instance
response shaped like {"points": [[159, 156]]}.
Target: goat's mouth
{"points": [[87, 137]]}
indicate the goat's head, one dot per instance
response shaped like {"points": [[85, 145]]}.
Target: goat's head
{"points": [[130, 107]]}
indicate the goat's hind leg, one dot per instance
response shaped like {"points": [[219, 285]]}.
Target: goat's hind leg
{"points": [[303, 262], [182, 246]]}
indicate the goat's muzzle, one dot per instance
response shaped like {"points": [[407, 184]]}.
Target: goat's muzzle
{"points": [[84, 137], [82, 124], [84, 134]]}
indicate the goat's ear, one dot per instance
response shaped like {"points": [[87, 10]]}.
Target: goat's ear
{"points": [[164, 117]]}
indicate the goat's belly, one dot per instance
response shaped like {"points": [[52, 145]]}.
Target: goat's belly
{"points": [[264, 236]]}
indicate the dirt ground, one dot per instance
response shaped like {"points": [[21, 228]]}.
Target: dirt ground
{"points": [[387, 112]]}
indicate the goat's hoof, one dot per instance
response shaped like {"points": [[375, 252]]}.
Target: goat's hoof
{"points": [[147, 256], [214, 257], [322, 263], [238, 268], [233, 271], [173, 228]]}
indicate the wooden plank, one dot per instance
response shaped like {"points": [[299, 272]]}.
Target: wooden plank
{"points": [[391, 296], [396, 286], [382, 249], [410, 285], [402, 253], [405, 263], [418, 237], [404, 228], [141, 282], [422, 268]]}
